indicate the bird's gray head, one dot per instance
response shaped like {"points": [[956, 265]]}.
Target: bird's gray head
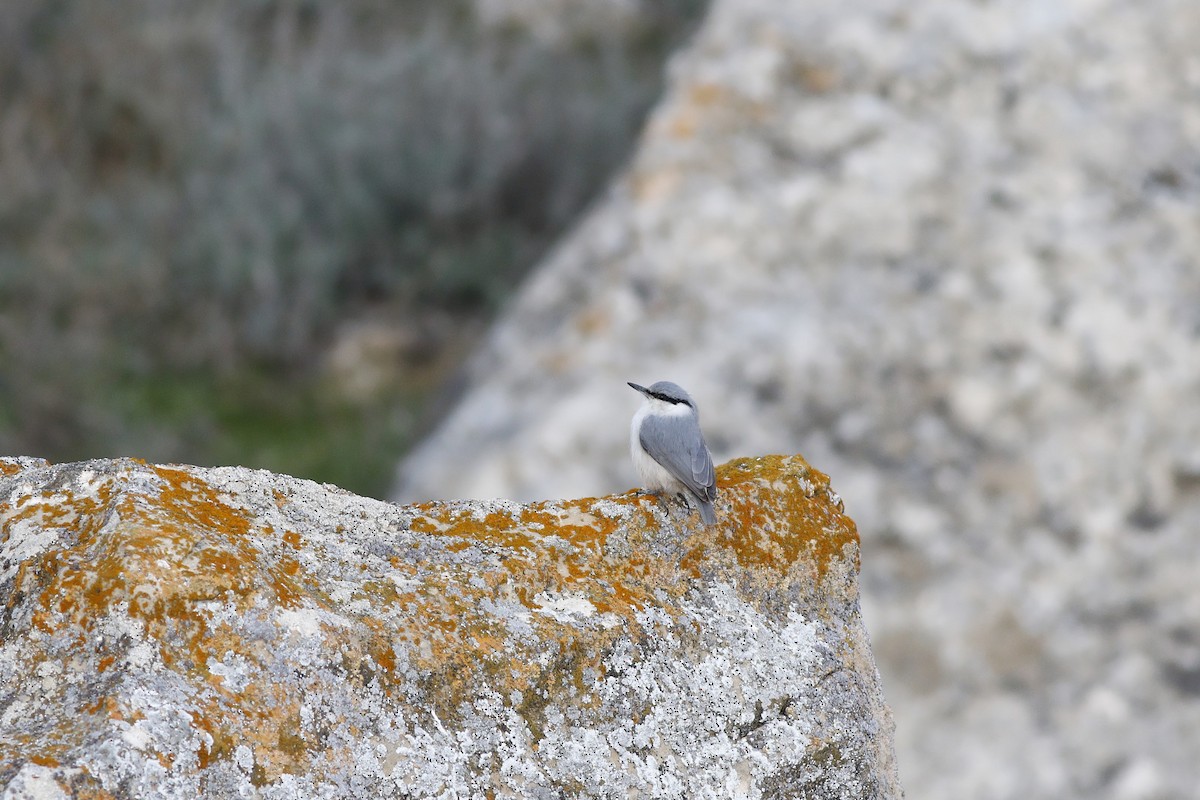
{"points": [[667, 392]]}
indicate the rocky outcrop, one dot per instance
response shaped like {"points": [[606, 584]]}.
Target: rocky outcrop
{"points": [[170, 631], [950, 251]]}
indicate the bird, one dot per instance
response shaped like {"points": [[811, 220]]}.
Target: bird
{"points": [[668, 447]]}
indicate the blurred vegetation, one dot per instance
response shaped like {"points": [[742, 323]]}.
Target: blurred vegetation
{"points": [[201, 201]]}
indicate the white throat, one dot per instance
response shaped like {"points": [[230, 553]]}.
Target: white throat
{"points": [[662, 408], [653, 476]]}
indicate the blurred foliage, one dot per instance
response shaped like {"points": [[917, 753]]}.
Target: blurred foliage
{"points": [[195, 195]]}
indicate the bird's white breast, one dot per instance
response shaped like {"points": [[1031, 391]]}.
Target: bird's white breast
{"points": [[652, 474]]}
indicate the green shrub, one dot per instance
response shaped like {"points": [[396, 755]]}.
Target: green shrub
{"points": [[208, 188]]}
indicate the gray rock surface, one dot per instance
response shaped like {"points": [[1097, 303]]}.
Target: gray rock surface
{"points": [[951, 251], [174, 632]]}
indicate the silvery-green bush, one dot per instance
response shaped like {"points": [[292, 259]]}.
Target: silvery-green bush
{"points": [[200, 185]]}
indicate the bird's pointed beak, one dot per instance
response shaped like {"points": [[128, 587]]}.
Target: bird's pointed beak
{"points": [[641, 389]]}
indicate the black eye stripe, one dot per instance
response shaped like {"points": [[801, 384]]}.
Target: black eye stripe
{"points": [[665, 399]]}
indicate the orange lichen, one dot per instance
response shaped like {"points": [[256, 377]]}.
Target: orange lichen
{"points": [[707, 94], [165, 554], [221, 745], [781, 511], [157, 554], [9, 467], [769, 521]]}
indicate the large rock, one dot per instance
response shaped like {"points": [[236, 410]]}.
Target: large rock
{"points": [[950, 251], [179, 631]]}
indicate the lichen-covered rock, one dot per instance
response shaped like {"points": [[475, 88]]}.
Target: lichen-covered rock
{"points": [[950, 250], [171, 631]]}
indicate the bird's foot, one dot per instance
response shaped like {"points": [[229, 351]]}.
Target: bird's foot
{"points": [[658, 497], [667, 503], [666, 507]]}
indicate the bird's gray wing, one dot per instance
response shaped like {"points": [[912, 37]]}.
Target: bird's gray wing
{"points": [[678, 445]]}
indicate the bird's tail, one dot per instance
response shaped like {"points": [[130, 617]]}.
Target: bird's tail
{"points": [[706, 511]]}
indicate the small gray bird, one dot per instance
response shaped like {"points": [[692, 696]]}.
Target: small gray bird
{"points": [[668, 447]]}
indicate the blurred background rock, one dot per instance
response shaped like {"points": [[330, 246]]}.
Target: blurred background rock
{"points": [[265, 232]]}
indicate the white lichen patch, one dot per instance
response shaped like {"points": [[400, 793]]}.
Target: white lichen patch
{"points": [[30, 536], [613, 510], [403, 583], [575, 517], [35, 782], [564, 607], [303, 622], [234, 671], [609, 620], [84, 479]]}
